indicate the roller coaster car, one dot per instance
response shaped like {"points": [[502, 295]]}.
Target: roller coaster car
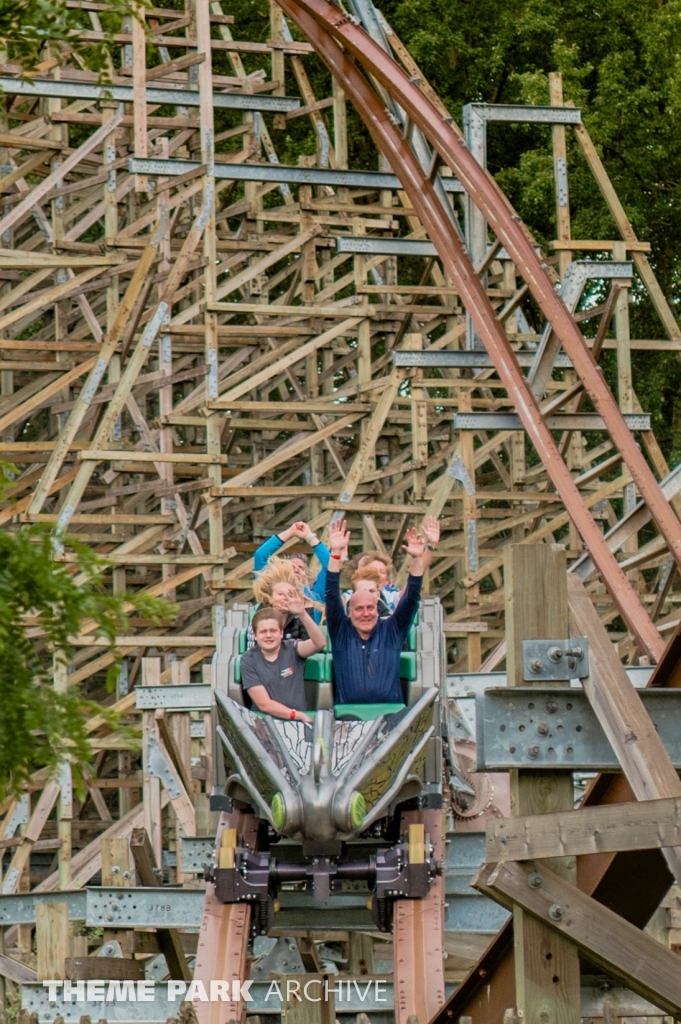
{"points": [[334, 792]]}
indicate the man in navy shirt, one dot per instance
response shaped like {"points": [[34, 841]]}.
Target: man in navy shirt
{"points": [[366, 648]]}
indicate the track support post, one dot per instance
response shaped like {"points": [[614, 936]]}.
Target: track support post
{"points": [[546, 964]]}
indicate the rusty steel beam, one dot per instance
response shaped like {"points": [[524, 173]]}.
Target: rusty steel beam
{"points": [[223, 938], [325, 27], [506, 224], [418, 938]]}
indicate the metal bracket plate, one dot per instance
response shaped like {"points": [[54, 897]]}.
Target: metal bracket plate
{"points": [[144, 908], [548, 660], [537, 727], [182, 697], [158, 767], [197, 851]]}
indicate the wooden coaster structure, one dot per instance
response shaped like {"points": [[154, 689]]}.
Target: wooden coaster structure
{"points": [[154, 322], [202, 343]]}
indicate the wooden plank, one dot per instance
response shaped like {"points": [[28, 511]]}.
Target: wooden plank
{"points": [[536, 607], [609, 942], [116, 862], [147, 874], [52, 940], [290, 449], [147, 641], [648, 825], [139, 105], [22, 411], [256, 380], [104, 968], [17, 972], [628, 234], [644, 759]]}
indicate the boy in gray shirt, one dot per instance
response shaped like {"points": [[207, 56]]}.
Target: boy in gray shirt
{"points": [[273, 672]]}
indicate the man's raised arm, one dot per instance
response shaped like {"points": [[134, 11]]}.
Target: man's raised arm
{"points": [[339, 538], [404, 613]]}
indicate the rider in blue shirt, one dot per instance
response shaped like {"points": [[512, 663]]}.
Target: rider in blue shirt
{"points": [[366, 648]]}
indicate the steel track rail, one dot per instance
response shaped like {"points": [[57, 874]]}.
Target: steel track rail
{"points": [[335, 37], [418, 939], [223, 938]]}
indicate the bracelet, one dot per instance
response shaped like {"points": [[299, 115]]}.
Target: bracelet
{"points": [[429, 547], [338, 557], [312, 540], [292, 716]]}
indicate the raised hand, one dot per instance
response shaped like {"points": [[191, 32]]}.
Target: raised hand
{"points": [[339, 536], [430, 528], [299, 529], [295, 602], [415, 545]]}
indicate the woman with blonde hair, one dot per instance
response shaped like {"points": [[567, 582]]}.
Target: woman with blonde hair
{"points": [[276, 586]]}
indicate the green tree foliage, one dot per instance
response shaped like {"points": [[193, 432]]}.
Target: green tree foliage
{"points": [[27, 26], [43, 603], [621, 64]]}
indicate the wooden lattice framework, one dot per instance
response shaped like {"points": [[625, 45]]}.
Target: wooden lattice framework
{"points": [[196, 354]]}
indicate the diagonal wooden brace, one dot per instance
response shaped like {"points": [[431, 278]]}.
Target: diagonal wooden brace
{"points": [[640, 962]]}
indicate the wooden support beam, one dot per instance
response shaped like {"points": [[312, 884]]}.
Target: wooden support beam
{"points": [[147, 874], [546, 965], [609, 942], [111, 968], [116, 862], [640, 751], [52, 940], [628, 234], [648, 825]]}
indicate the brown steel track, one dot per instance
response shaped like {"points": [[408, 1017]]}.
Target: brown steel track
{"points": [[418, 938], [223, 937], [337, 39]]}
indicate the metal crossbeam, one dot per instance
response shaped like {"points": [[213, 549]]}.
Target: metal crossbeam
{"points": [[533, 727], [19, 908], [518, 114], [558, 421], [125, 94], [188, 697], [463, 359], [465, 685], [281, 174]]}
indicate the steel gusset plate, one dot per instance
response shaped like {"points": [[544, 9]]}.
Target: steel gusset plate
{"points": [[325, 26], [533, 727]]}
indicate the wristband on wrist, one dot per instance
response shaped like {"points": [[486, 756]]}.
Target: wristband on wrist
{"points": [[337, 557], [312, 539], [430, 547], [292, 716]]}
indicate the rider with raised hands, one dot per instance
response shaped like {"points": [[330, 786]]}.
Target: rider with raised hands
{"points": [[366, 648]]}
